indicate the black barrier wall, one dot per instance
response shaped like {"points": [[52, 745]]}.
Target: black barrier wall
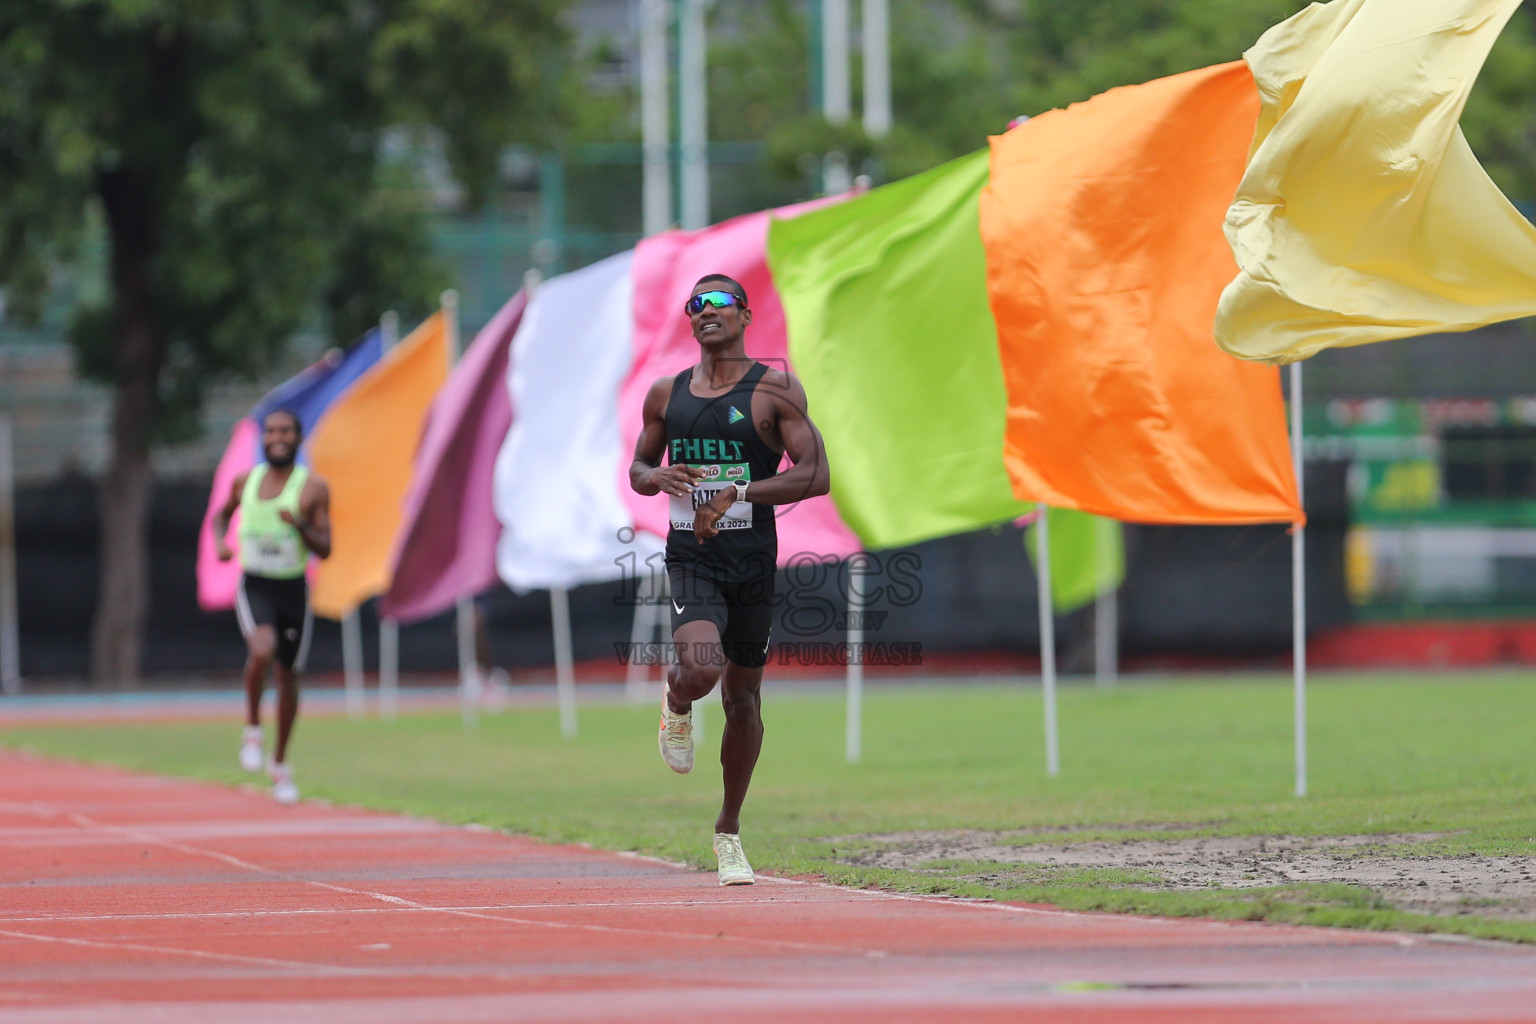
{"points": [[1189, 591]]}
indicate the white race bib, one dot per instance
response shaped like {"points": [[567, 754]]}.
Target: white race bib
{"points": [[716, 479], [268, 555]]}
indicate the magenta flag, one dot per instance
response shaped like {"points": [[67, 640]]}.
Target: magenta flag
{"points": [[665, 269], [446, 547], [216, 580]]}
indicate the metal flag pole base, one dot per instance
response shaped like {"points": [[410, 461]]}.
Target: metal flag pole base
{"points": [[650, 621], [1106, 608], [389, 669], [855, 712], [565, 669], [1299, 592], [352, 664], [1047, 641], [470, 683]]}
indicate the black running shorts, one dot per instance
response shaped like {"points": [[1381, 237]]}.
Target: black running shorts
{"points": [[742, 610], [281, 604]]}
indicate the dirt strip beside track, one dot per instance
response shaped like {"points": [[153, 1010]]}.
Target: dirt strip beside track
{"points": [[127, 897]]}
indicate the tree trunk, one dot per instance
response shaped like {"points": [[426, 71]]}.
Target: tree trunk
{"points": [[123, 599], [122, 602]]}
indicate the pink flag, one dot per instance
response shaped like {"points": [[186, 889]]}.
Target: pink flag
{"points": [[446, 547], [665, 269], [216, 580]]}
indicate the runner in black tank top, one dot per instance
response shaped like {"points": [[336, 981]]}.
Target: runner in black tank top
{"points": [[719, 435], [724, 427]]}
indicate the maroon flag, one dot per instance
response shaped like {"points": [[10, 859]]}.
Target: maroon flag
{"points": [[446, 547]]}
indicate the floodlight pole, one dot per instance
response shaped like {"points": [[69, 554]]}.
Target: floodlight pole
{"points": [[836, 102], [655, 129], [1299, 589], [1047, 639], [693, 113], [876, 31], [389, 629], [10, 633], [855, 712]]}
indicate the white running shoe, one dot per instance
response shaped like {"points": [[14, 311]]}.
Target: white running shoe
{"points": [[283, 789], [676, 737], [734, 869], [250, 749]]}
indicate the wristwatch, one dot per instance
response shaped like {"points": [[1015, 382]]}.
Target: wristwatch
{"points": [[741, 490]]}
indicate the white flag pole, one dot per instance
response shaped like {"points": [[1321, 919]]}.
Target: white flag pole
{"points": [[565, 672], [1047, 640], [10, 633], [352, 664], [1299, 590], [559, 607], [470, 683], [855, 686], [642, 635], [389, 629], [1106, 611], [389, 669]]}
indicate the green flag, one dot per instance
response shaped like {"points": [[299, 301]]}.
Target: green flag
{"points": [[891, 332], [1087, 556]]}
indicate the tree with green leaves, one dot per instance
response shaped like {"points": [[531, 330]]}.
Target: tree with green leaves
{"points": [[962, 69], [232, 153]]}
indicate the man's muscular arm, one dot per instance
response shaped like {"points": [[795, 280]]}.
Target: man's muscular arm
{"points": [[314, 519], [646, 473], [222, 517]]}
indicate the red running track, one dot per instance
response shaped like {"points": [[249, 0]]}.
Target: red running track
{"points": [[134, 898]]}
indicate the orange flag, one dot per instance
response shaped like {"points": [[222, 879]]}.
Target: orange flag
{"points": [[365, 448], [1102, 225]]}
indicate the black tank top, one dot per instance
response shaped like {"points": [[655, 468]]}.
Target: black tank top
{"points": [[718, 434]]}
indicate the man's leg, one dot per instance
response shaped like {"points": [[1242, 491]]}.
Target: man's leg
{"points": [[698, 664], [260, 646], [287, 709], [742, 741], [294, 624]]}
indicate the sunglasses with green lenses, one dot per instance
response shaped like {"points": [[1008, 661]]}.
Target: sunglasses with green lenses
{"points": [[717, 299]]}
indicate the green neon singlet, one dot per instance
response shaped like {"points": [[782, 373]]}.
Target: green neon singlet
{"points": [[268, 546]]}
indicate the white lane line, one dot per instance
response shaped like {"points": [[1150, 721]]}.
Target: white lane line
{"points": [[198, 954], [148, 837], [216, 914]]}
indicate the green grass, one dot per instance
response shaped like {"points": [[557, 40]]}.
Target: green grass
{"points": [[1423, 753]]}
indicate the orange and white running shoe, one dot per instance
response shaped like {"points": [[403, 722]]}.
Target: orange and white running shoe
{"points": [[676, 737]]}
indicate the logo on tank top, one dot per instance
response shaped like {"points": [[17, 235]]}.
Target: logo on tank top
{"points": [[735, 416]]}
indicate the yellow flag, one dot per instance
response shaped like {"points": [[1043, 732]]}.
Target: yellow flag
{"points": [[1363, 214], [365, 447]]}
